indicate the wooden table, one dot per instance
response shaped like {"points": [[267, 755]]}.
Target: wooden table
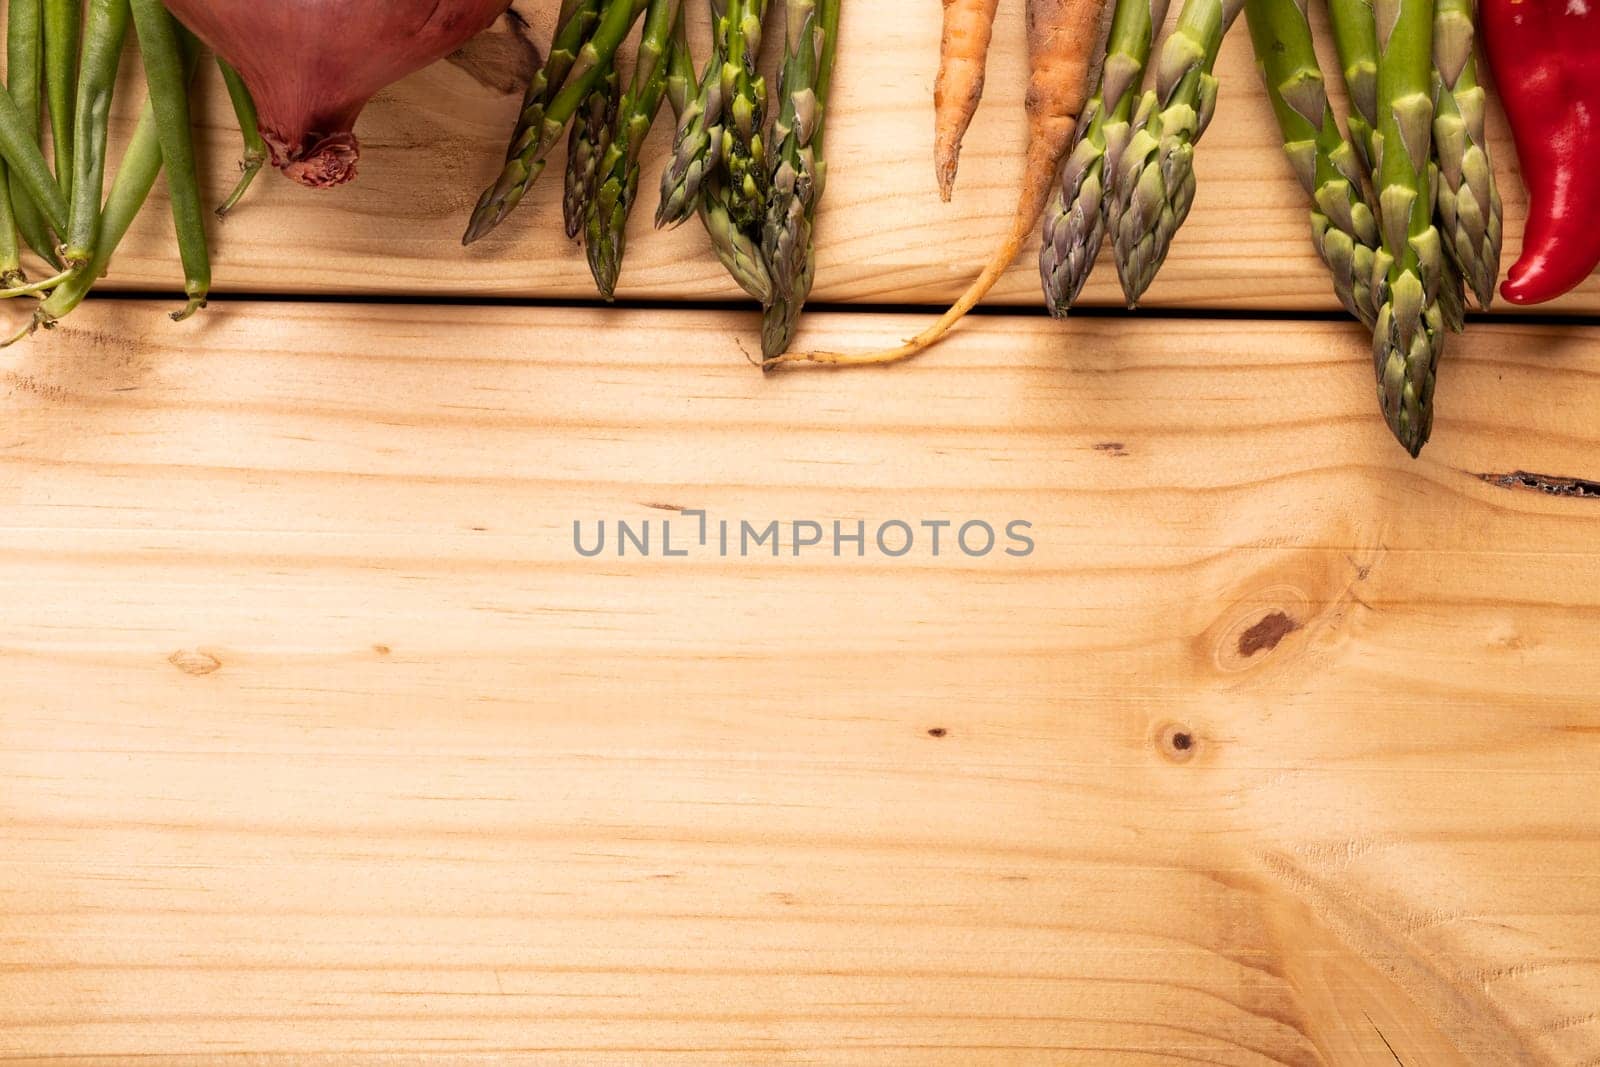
{"points": [[320, 743]]}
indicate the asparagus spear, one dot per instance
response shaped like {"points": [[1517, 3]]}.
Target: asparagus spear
{"points": [[606, 224], [1469, 203], [736, 242], [542, 122], [1154, 183], [1409, 336], [695, 153], [1343, 227], [1355, 37], [744, 130], [800, 174], [737, 251], [591, 135], [1075, 222]]}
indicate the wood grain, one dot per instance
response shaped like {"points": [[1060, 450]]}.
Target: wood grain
{"points": [[320, 744], [437, 138]]}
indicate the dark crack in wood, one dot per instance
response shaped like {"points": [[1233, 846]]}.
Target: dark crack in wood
{"points": [[1549, 484]]}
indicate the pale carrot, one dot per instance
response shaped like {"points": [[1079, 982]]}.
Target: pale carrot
{"points": [[1063, 37], [963, 58]]}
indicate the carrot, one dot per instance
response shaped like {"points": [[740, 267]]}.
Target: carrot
{"points": [[1063, 38], [963, 54]]}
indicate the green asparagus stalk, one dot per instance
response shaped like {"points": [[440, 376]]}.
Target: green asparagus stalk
{"points": [[24, 67], [695, 153], [618, 183], [737, 243], [1343, 227], [1154, 183], [1075, 222], [1355, 38], [1469, 202], [542, 122], [737, 251], [574, 24], [744, 89], [590, 137], [1409, 336], [801, 173]]}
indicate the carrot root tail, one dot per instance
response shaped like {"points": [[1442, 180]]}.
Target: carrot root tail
{"points": [[925, 340]]}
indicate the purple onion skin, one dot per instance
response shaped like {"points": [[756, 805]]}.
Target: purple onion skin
{"points": [[312, 65]]}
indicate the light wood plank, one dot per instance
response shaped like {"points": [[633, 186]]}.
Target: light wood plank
{"points": [[319, 743], [437, 138]]}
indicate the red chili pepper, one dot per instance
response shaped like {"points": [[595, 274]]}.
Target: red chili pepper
{"points": [[1545, 55]]}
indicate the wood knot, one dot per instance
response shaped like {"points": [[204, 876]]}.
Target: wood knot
{"points": [[1177, 743], [1265, 635], [1257, 628], [937, 731], [195, 662]]}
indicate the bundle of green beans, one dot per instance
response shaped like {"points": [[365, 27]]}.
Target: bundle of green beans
{"points": [[59, 207], [754, 179], [1415, 164]]}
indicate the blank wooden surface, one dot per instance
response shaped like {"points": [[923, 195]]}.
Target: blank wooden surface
{"points": [[436, 139], [322, 745]]}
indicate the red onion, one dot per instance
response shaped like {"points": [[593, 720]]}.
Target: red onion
{"points": [[312, 65]]}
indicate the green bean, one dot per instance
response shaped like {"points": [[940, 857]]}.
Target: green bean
{"points": [[10, 258], [103, 34], [62, 29], [255, 148], [161, 47], [28, 166], [24, 38], [136, 176]]}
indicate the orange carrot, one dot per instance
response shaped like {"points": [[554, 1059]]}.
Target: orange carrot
{"points": [[963, 54], [1063, 37]]}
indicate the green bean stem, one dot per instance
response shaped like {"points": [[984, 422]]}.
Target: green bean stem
{"points": [[104, 31], [63, 27], [136, 176], [255, 147], [161, 48]]}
